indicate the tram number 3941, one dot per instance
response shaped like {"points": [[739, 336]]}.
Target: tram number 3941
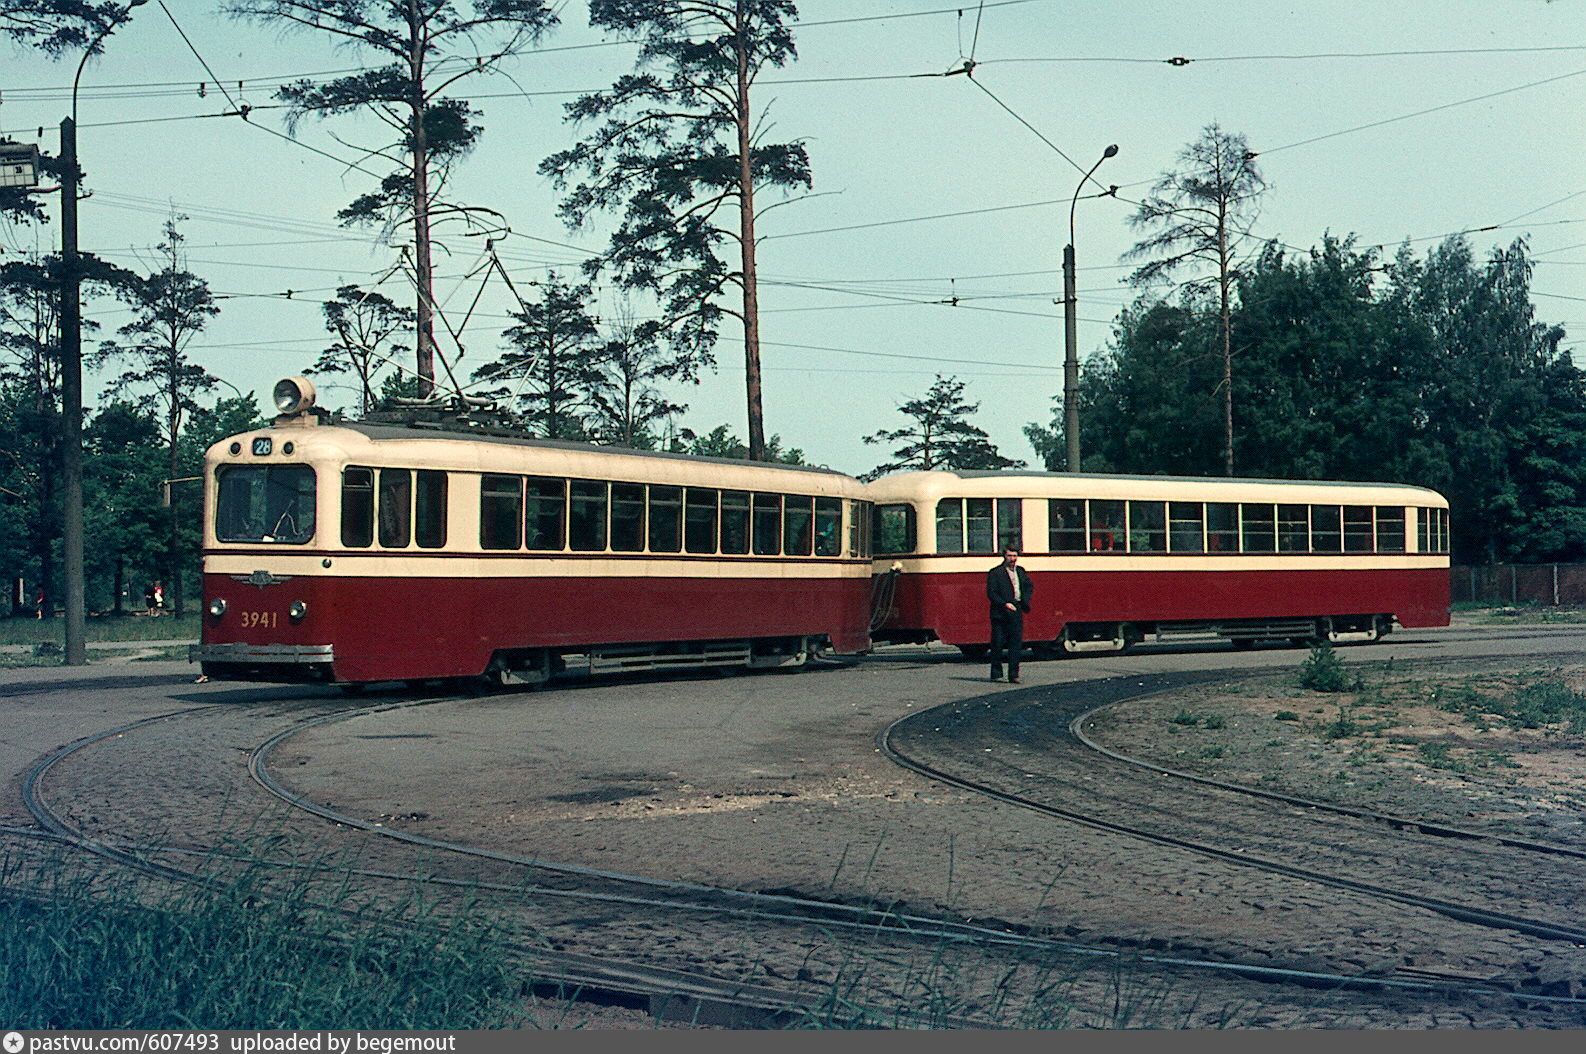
{"points": [[259, 619]]}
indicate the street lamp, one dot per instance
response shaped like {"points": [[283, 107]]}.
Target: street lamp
{"points": [[1071, 324], [76, 648]]}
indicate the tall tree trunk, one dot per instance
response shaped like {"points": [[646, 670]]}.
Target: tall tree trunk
{"points": [[1223, 281], [751, 294], [423, 273]]}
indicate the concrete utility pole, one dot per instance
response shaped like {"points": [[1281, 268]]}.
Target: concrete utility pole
{"points": [[1071, 326]]}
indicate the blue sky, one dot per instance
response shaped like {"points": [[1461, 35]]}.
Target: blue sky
{"points": [[1411, 120]]}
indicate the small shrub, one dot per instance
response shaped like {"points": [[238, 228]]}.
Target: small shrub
{"points": [[1215, 721], [1184, 717], [1325, 672], [1285, 715], [1211, 752], [1341, 727]]}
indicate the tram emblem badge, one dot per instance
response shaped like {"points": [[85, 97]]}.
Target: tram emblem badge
{"points": [[261, 579]]}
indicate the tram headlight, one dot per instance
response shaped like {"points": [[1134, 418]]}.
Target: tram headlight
{"points": [[293, 395], [217, 607], [297, 611]]}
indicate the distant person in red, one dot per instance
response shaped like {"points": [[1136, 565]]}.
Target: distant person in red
{"points": [[159, 597], [1008, 588]]}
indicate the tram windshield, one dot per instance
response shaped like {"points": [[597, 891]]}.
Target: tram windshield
{"points": [[265, 503]]}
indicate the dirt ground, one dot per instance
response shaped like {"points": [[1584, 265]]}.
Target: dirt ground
{"points": [[1454, 749]]}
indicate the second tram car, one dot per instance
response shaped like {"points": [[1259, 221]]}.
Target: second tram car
{"points": [[351, 553], [1117, 559]]}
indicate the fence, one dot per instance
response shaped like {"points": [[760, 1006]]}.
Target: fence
{"points": [[1552, 585]]}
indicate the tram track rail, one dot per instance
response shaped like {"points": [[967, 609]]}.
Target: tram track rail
{"points": [[963, 778], [659, 982]]}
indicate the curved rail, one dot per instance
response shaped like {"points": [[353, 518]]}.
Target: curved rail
{"points": [[1462, 912]]}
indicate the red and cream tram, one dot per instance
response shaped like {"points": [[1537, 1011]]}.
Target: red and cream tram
{"points": [[1117, 559], [350, 553]]}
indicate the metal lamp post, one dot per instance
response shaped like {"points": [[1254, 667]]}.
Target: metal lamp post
{"points": [[1071, 327], [76, 649]]}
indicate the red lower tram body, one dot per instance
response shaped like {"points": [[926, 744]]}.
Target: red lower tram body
{"points": [[356, 629], [1084, 610]]}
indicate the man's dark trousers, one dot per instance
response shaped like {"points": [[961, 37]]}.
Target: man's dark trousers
{"points": [[1007, 636]]}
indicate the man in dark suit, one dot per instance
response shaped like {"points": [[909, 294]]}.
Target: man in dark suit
{"points": [[1008, 588]]}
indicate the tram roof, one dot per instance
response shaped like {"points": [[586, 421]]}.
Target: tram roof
{"points": [[380, 432], [936, 478]]}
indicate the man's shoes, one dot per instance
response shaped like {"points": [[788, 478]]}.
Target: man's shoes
{"points": [[1014, 680], [996, 677]]}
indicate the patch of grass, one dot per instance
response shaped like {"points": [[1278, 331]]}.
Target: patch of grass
{"points": [[102, 628], [1285, 715], [1212, 752], [1216, 721], [240, 956], [1545, 703], [1184, 717]]}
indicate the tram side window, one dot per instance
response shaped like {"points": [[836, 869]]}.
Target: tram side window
{"points": [[1432, 531], [1390, 529], [396, 507], [627, 517], [357, 507], [699, 520], [950, 526], [1147, 527], [500, 512], [666, 519], [1065, 525], [1358, 529], [1294, 534], [429, 509], [767, 524], [1222, 527], [894, 529], [1010, 523], [828, 526], [979, 526], [1258, 528], [1327, 529], [798, 522], [864, 525], [586, 516], [734, 521], [1186, 526], [545, 513], [1108, 527]]}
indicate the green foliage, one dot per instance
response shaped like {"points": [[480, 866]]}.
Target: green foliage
{"points": [[1184, 717], [720, 442], [58, 26], [1324, 671], [941, 435], [1285, 715], [1429, 371]]}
